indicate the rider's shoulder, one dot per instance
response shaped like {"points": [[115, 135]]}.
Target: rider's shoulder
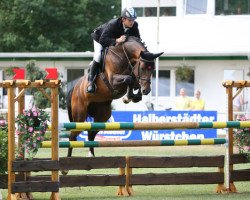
{"points": [[114, 21], [135, 24]]}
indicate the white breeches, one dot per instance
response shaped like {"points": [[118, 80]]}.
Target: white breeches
{"points": [[97, 51]]}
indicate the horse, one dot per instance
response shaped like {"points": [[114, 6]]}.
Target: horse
{"points": [[127, 67]]}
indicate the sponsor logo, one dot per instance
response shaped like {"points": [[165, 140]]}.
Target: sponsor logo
{"points": [[157, 116]]}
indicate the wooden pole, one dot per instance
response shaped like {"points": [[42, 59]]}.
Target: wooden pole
{"points": [[128, 175], [54, 137], [21, 103], [220, 187], [122, 190], [11, 140], [230, 185], [21, 106]]}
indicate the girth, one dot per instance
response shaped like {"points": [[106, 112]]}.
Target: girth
{"points": [[105, 80]]}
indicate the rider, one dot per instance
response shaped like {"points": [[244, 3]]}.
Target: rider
{"points": [[111, 33]]}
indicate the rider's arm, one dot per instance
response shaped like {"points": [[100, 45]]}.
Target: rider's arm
{"points": [[134, 31], [121, 39], [107, 37]]}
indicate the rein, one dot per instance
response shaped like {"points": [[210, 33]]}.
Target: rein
{"points": [[131, 67]]}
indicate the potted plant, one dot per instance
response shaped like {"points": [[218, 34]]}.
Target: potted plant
{"points": [[3, 151], [242, 137], [184, 73], [31, 127]]}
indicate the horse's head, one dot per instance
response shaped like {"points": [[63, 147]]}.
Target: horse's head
{"points": [[144, 70], [141, 61]]}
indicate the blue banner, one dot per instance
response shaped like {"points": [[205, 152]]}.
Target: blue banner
{"points": [[157, 116]]}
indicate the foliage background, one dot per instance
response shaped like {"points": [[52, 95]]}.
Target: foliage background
{"points": [[52, 26], [3, 149]]}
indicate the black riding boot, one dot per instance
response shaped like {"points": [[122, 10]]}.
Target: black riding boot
{"points": [[91, 78]]}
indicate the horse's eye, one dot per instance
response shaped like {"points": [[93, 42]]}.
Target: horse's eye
{"points": [[150, 67]]}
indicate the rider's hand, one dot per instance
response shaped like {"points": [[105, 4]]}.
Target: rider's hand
{"points": [[121, 39]]}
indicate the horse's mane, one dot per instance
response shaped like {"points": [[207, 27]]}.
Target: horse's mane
{"points": [[136, 39], [133, 38], [130, 41]]}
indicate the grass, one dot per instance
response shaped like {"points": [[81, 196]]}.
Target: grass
{"points": [[161, 192]]}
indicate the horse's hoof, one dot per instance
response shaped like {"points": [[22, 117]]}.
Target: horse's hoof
{"points": [[65, 172], [90, 154], [126, 100], [137, 99]]}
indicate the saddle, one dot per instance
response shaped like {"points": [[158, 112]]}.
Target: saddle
{"points": [[103, 58], [102, 69]]}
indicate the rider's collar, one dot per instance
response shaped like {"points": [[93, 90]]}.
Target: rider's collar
{"points": [[125, 28]]}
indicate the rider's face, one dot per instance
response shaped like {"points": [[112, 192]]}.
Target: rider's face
{"points": [[128, 23]]}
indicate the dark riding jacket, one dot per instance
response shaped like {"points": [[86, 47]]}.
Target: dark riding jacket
{"points": [[107, 33]]}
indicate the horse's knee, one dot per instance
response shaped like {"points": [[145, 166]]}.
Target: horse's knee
{"points": [[128, 80]]}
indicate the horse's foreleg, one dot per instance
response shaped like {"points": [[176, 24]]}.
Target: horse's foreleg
{"points": [[129, 95], [72, 137], [119, 80], [138, 96]]}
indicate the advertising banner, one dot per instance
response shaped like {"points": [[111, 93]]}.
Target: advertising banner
{"points": [[157, 116]]}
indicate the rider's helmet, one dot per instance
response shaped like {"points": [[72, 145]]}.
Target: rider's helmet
{"points": [[129, 13]]}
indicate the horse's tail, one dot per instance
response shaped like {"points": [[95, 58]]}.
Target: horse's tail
{"points": [[68, 100]]}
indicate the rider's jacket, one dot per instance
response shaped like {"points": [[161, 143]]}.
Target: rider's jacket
{"points": [[107, 33]]}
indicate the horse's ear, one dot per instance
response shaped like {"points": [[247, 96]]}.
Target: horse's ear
{"points": [[149, 56], [156, 55]]}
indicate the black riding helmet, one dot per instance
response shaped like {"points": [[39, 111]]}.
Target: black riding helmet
{"points": [[129, 13]]}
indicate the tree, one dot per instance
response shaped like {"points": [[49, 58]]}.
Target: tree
{"points": [[52, 25]]}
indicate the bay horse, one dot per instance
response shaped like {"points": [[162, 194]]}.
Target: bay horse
{"points": [[128, 67]]}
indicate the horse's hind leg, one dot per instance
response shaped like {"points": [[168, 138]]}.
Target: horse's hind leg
{"points": [[91, 137], [72, 137], [101, 112]]}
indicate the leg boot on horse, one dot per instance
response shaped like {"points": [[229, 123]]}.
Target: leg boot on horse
{"points": [[92, 75]]}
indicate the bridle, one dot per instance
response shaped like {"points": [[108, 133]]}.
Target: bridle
{"points": [[133, 67], [140, 69]]}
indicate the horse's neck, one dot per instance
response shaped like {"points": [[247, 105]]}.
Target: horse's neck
{"points": [[119, 66], [118, 59], [132, 49]]}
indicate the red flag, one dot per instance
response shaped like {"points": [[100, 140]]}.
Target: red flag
{"points": [[19, 73], [51, 73]]}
